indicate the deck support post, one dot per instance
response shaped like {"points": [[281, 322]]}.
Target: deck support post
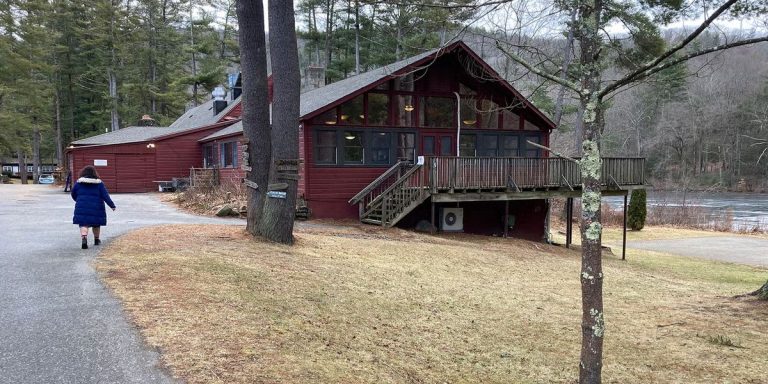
{"points": [[568, 221], [624, 232], [432, 216], [506, 218]]}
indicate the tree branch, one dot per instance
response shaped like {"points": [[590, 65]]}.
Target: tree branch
{"points": [[640, 71], [647, 73], [549, 76]]}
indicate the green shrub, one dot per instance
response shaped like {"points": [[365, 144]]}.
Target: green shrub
{"points": [[637, 210]]}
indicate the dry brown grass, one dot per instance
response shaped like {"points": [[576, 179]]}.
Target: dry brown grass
{"points": [[363, 305]]}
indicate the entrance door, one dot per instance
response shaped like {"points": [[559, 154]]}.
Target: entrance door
{"points": [[437, 144]]}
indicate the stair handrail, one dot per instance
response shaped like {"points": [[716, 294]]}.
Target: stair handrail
{"points": [[375, 183], [397, 183]]}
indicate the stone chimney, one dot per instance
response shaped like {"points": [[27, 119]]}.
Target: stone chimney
{"points": [[147, 121], [314, 77]]}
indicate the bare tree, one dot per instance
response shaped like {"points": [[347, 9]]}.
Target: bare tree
{"points": [[589, 85]]}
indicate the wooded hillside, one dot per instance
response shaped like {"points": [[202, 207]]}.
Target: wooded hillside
{"points": [[74, 68]]}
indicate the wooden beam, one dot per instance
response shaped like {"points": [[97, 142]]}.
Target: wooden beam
{"points": [[624, 234]]}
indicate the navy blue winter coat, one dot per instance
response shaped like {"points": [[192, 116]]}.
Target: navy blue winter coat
{"points": [[89, 196]]}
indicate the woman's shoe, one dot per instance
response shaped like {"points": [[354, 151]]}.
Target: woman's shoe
{"points": [[96, 241], [85, 242]]}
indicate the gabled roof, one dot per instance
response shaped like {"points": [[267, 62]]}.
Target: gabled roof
{"points": [[200, 116], [125, 135], [319, 98], [233, 129], [203, 115]]}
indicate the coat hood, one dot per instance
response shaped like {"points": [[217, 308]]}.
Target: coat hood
{"points": [[88, 180]]}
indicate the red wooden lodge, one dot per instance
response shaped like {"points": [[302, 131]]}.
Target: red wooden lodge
{"points": [[438, 137]]}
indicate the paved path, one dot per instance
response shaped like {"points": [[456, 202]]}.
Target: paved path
{"points": [[58, 323], [734, 249]]}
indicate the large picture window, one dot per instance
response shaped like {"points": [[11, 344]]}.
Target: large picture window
{"points": [[348, 147], [499, 145], [437, 112]]}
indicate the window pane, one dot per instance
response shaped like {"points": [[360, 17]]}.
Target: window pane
{"points": [[378, 109], [446, 146], [489, 114], [437, 112], [404, 111], [530, 126], [326, 155], [467, 145], [328, 117], [509, 146], [511, 120], [326, 147], [380, 143], [530, 150], [465, 90], [404, 83], [489, 145], [468, 113], [406, 143], [352, 111], [353, 147], [429, 145]]}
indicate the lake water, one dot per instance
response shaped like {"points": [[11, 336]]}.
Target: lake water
{"points": [[747, 209]]}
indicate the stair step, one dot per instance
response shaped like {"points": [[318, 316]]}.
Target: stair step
{"points": [[371, 221]]}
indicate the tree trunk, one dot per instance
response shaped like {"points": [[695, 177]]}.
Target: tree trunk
{"points": [[57, 128], [761, 293], [357, 37], [253, 59], [35, 155], [279, 211], [328, 38], [567, 57], [592, 320], [22, 160]]}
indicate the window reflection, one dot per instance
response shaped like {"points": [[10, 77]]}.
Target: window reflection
{"points": [[353, 147], [405, 111], [378, 109], [436, 112], [352, 112]]}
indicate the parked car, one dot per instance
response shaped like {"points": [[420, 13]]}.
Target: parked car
{"points": [[45, 179]]}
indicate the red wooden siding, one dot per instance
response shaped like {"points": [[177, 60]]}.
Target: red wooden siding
{"points": [[134, 167], [130, 167]]}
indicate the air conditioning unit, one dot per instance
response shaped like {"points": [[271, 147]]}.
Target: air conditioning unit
{"points": [[452, 219]]}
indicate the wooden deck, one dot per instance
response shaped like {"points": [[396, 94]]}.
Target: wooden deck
{"points": [[453, 179]]}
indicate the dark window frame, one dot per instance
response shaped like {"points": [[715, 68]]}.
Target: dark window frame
{"points": [[367, 139], [223, 151]]}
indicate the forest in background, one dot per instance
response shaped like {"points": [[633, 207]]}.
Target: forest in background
{"points": [[78, 68]]}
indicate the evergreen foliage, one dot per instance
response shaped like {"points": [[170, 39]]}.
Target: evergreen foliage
{"points": [[637, 210], [163, 56]]}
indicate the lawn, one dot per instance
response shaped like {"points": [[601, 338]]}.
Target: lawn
{"points": [[360, 304]]}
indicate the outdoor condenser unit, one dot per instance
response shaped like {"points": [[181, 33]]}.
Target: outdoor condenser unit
{"points": [[452, 219]]}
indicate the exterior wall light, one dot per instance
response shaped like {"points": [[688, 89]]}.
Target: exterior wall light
{"points": [[151, 145]]}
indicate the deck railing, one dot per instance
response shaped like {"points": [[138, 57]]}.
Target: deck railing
{"points": [[515, 173]]}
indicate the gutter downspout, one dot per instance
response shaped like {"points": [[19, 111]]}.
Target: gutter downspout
{"points": [[458, 121]]}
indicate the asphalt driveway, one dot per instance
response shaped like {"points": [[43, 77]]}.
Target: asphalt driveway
{"points": [[733, 249], [58, 323]]}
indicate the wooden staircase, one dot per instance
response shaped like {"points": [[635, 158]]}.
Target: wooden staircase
{"points": [[393, 195]]}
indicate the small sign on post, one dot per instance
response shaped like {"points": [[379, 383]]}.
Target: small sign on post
{"points": [[277, 194]]}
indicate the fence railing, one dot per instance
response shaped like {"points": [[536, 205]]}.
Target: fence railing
{"points": [[490, 173]]}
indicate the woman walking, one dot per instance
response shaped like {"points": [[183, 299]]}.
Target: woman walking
{"points": [[90, 194]]}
